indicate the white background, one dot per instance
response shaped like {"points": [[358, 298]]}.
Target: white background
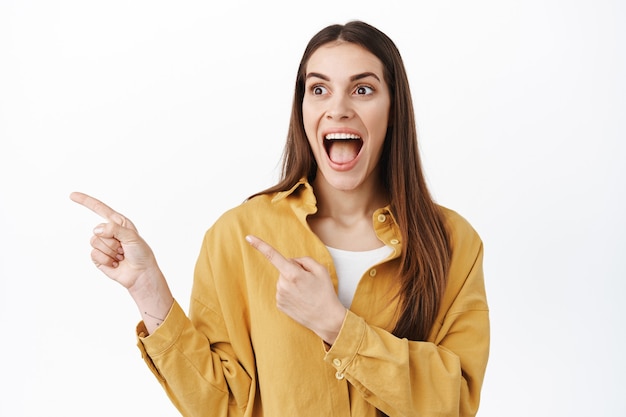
{"points": [[174, 112]]}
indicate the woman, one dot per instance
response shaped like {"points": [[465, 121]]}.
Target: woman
{"points": [[355, 294]]}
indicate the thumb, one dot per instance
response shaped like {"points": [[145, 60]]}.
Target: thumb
{"points": [[116, 231], [311, 265]]}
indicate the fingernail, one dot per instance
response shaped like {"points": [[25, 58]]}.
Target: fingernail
{"points": [[249, 239], [98, 230]]}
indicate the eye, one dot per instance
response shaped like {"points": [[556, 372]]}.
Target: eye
{"points": [[364, 90], [318, 90]]}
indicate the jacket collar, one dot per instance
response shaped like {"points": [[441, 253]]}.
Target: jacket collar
{"points": [[307, 196], [303, 201]]}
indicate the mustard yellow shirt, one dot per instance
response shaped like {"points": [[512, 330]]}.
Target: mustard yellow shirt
{"points": [[236, 354]]}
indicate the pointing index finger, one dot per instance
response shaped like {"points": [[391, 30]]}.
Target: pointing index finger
{"points": [[276, 258], [99, 208]]}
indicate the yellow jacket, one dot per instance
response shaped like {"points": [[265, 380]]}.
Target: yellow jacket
{"points": [[238, 355]]}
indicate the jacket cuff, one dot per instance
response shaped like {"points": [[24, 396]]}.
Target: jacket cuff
{"points": [[162, 338], [347, 344]]}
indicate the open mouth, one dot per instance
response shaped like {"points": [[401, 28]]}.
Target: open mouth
{"points": [[342, 147]]}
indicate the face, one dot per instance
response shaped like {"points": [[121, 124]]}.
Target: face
{"points": [[345, 111]]}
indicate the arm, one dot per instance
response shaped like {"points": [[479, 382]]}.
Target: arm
{"points": [[204, 367], [197, 372], [441, 376]]}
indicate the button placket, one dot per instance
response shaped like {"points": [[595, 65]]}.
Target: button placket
{"points": [[383, 219], [337, 363]]}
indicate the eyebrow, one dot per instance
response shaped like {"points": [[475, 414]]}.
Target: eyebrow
{"points": [[352, 78]]}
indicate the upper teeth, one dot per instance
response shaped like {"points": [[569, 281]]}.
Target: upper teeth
{"points": [[334, 136]]}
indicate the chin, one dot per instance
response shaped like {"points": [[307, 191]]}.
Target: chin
{"points": [[343, 181]]}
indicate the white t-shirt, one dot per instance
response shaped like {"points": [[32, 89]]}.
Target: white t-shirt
{"points": [[351, 266]]}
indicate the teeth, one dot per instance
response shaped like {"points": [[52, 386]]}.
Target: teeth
{"points": [[335, 136]]}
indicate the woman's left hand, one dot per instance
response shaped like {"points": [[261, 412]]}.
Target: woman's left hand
{"points": [[305, 292]]}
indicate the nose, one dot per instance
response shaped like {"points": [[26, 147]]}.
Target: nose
{"points": [[339, 107]]}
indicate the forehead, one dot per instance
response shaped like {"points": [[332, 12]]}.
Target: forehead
{"points": [[343, 58]]}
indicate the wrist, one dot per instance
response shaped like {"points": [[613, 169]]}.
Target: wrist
{"points": [[333, 325], [152, 297], [148, 284]]}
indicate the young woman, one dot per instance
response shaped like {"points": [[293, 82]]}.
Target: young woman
{"points": [[344, 290]]}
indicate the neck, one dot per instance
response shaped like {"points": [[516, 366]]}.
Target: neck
{"points": [[346, 204]]}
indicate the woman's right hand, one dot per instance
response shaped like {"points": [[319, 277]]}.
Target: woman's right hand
{"points": [[118, 250], [125, 257]]}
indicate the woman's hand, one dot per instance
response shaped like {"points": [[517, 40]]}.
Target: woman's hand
{"points": [[118, 250], [125, 257], [305, 292]]}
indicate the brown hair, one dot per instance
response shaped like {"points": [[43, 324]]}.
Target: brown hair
{"points": [[426, 256]]}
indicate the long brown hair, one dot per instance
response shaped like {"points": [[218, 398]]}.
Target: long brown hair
{"points": [[426, 256]]}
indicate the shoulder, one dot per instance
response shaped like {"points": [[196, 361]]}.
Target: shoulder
{"points": [[460, 231], [263, 212], [258, 205], [466, 244], [465, 289], [251, 211]]}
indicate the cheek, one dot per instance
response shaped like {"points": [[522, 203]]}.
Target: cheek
{"points": [[379, 121]]}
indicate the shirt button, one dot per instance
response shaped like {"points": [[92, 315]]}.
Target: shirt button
{"points": [[382, 218], [339, 375], [337, 362], [373, 272], [394, 241]]}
